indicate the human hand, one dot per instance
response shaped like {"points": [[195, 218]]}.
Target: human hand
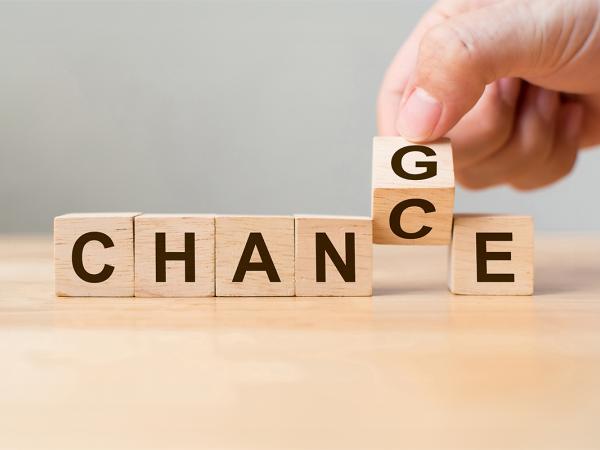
{"points": [[514, 83]]}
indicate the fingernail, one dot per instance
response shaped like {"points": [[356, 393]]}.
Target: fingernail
{"points": [[547, 104], [419, 116], [509, 90], [574, 122]]}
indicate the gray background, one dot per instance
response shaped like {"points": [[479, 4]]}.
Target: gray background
{"points": [[228, 107]]}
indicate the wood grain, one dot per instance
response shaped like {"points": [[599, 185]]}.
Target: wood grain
{"points": [[463, 277], [335, 229], [118, 227], [174, 227], [389, 189], [232, 235], [412, 367]]}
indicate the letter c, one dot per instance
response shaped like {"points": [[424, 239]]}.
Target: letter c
{"points": [[396, 215], [77, 257]]}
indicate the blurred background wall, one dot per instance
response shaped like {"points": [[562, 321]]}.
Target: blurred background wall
{"points": [[227, 107]]}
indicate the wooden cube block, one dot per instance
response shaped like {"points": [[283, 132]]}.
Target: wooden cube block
{"points": [[491, 255], [413, 192], [334, 256], [255, 256], [174, 255], [93, 255]]}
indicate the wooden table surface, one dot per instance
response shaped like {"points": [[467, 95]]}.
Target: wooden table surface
{"points": [[413, 367]]}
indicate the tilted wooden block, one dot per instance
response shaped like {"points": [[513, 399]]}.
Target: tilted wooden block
{"points": [[334, 256], [254, 256], [174, 255], [93, 255], [413, 192], [491, 255]]}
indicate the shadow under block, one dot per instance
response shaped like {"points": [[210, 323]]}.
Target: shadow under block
{"points": [[334, 256], [413, 192], [93, 255], [174, 255], [491, 255], [254, 256]]}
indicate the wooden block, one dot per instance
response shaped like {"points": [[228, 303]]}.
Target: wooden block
{"points": [[93, 255], [255, 256], [334, 256], [413, 192], [491, 255], [174, 255]]}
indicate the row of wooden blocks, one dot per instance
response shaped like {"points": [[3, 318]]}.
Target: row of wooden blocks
{"points": [[196, 255]]}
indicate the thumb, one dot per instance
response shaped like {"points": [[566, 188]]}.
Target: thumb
{"points": [[459, 57]]}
